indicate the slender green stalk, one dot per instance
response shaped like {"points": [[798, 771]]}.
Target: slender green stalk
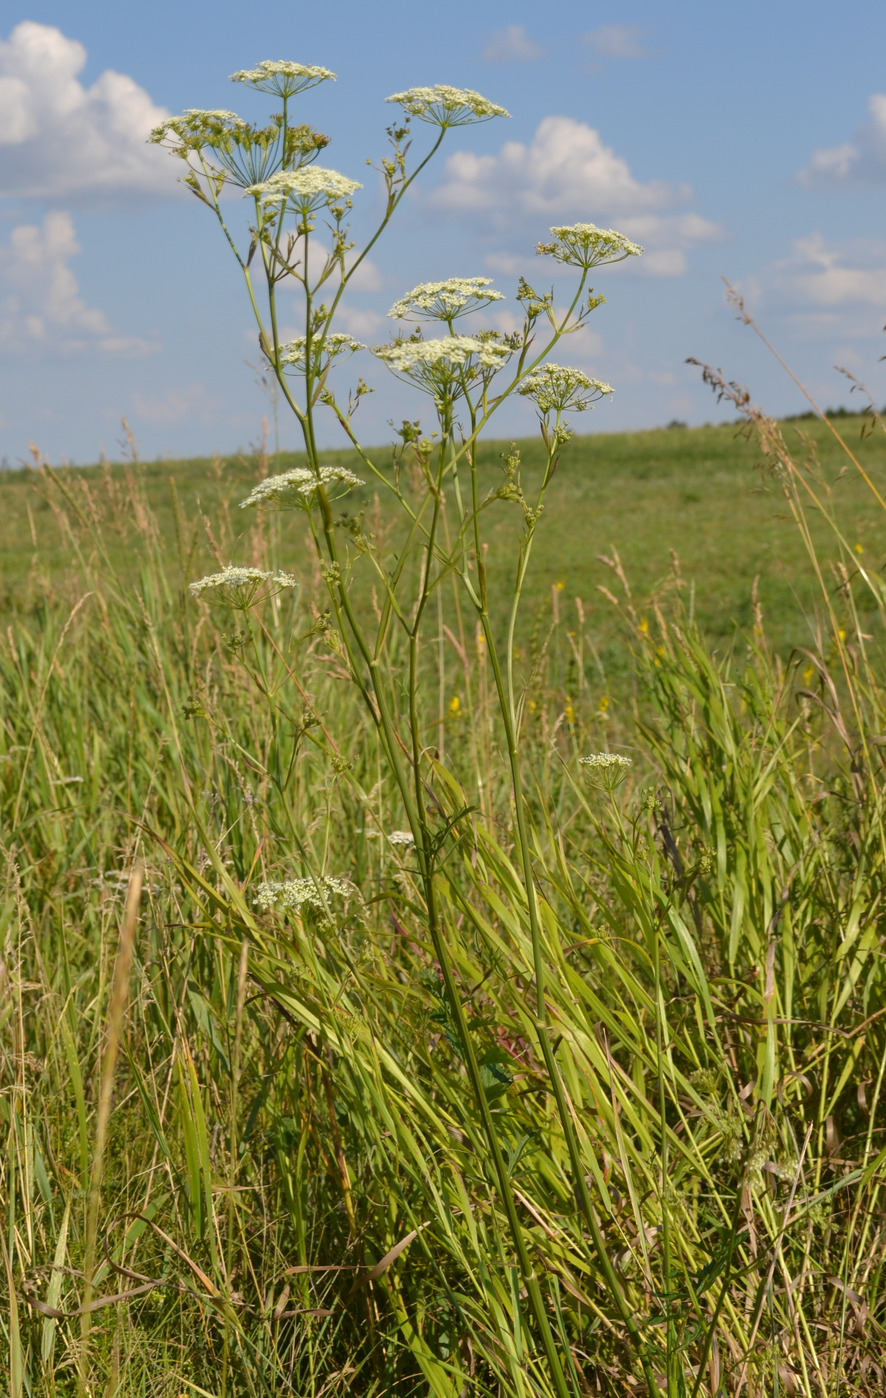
{"points": [[116, 1011]]}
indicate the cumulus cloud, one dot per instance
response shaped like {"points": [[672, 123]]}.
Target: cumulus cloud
{"points": [[367, 277], [187, 402], [568, 173], [61, 140], [40, 302], [362, 324], [859, 161], [511, 45], [826, 287], [617, 41], [565, 166]]}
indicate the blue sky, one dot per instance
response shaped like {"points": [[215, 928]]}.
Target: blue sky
{"points": [[748, 144]]}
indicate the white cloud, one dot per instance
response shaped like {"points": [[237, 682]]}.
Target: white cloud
{"points": [[42, 306], [511, 45], [821, 275], [565, 173], [365, 325], [617, 41], [60, 139], [859, 161], [661, 262], [825, 288], [508, 264], [667, 238], [367, 277], [359, 322], [565, 167], [191, 402], [585, 350], [655, 262]]}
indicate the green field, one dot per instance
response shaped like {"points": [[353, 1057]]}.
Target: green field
{"points": [[694, 493], [356, 1037]]}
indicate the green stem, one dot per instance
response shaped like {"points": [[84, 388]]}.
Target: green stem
{"points": [[414, 804], [663, 1129]]}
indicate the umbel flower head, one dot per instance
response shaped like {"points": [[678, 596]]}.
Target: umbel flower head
{"points": [[197, 127], [406, 356], [585, 245], [559, 390], [396, 837], [246, 153], [605, 769], [446, 366], [282, 77], [447, 106], [194, 121], [297, 489], [306, 189], [323, 351], [444, 300], [239, 587], [294, 894]]}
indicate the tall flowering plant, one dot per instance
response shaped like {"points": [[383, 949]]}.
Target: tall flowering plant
{"points": [[299, 236]]}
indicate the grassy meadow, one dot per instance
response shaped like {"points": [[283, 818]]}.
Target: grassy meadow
{"points": [[697, 493], [256, 1148]]}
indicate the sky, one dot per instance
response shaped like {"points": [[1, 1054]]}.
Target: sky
{"points": [[747, 144]]}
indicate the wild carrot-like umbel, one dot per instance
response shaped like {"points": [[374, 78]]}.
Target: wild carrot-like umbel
{"points": [[298, 235]]}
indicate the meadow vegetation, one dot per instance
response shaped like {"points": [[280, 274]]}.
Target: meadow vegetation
{"points": [[285, 1100], [698, 493], [413, 983]]}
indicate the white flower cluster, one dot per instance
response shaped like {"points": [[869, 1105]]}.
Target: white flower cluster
{"points": [[447, 106], [232, 579], [445, 368], [444, 300], [605, 769], [197, 127], [557, 389], [306, 189], [282, 77], [293, 352], [246, 153], [295, 894], [606, 761], [586, 245], [396, 837], [297, 488], [406, 356], [218, 116]]}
